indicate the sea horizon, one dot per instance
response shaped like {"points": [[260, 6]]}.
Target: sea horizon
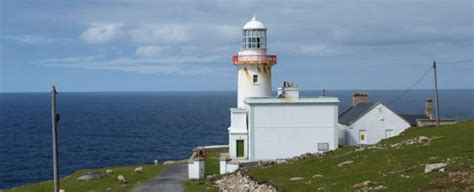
{"points": [[273, 90]]}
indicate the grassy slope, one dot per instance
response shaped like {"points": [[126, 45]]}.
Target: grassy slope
{"points": [[387, 166], [70, 184]]}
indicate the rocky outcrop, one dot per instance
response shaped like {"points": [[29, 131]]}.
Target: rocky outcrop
{"points": [[434, 166], [237, 182], [345, 163], [417, 140], [90, 176]]}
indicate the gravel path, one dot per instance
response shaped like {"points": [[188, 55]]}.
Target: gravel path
{"points": [[170, 179]]}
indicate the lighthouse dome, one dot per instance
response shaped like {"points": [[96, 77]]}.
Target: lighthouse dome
{"points": [[254, 24]]}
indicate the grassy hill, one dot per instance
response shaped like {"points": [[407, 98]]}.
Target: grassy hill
{"points": [[71, 184], [395, 164]]}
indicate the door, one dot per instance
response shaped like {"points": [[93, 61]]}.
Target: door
{"points": [[240, 148], [388, 133], [362, 137]]}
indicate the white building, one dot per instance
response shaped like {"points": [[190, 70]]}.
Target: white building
{"points": [[368, 123], [268, 128]]}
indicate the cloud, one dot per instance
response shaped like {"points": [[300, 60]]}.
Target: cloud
{"points": [[32, 39], [150, 51], [317, 50], [185, 65], [102, 32], [160, 34]]}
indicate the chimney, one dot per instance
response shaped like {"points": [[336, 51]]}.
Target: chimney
{"points": [[358, 97], [289, 91], [429, 108]]}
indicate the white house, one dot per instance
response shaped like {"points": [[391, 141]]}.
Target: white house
{"points": [[268, 128], [368, 123]]}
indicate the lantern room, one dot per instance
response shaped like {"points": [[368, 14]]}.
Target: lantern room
{"points": [[254, 35]]}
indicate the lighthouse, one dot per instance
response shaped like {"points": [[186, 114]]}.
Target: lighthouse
{"points": [[263, 127], [254, 65]]}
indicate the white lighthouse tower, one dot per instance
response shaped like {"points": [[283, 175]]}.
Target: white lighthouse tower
{"points": [[253, 64]]}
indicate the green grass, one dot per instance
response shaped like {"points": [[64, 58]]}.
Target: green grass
{"points": [[199, 185], [388, 166], [71, 184]]}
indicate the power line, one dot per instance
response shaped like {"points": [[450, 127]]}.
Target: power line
{"points": [[453, 62], [412, 86]]}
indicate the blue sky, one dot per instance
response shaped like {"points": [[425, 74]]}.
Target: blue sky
{"points": [[135, 45]]}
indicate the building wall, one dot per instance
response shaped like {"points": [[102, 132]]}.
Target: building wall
{"points": [[196, 169], [245, 85], [287, 130], [238, 131], [376, 122]]}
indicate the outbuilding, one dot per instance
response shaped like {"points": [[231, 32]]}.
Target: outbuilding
{"points": [[368, 123]]}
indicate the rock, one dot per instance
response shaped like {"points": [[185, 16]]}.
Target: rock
{"points": [[441, 170], [138, 170], [90, 176], [422, 139], [109, 188], [296, 178], [380, 187], [265, 163], [361, 184], [155, 162], [168, 162], [317, 175], [345, 163], [435, 166], [62, 190], [237, 182], [109, 172], [121, 179]]}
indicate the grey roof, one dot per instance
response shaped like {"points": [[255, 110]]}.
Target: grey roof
{"points": [[355, 112], [411, 118]]}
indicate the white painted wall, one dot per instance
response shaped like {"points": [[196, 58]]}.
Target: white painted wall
{"points": [[376, 122], [245, 85], [196, 169], [227, 167], [238, 131], [287, 130]]}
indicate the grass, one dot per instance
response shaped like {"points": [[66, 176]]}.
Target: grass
{"points": [[398, 169], [199, 185], [71, 184]]}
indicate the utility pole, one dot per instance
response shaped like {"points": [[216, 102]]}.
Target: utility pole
{"points": [[436, 93], [55, 119]]}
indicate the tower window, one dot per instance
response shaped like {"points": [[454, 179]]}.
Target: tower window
{"points": [[255, 78]]}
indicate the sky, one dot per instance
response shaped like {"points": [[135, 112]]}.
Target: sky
{"points": [[137, 45]]}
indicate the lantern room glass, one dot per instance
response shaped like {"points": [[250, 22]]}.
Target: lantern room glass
{"points": [[254, 39]]}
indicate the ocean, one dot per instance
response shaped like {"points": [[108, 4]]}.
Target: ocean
{"points": [[127, 128]]}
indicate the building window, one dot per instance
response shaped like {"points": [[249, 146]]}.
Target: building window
{"points": [[255, 79], [323, 147], [240, 148]]}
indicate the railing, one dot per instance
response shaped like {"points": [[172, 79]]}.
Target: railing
{"points": [[244, 59]]}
